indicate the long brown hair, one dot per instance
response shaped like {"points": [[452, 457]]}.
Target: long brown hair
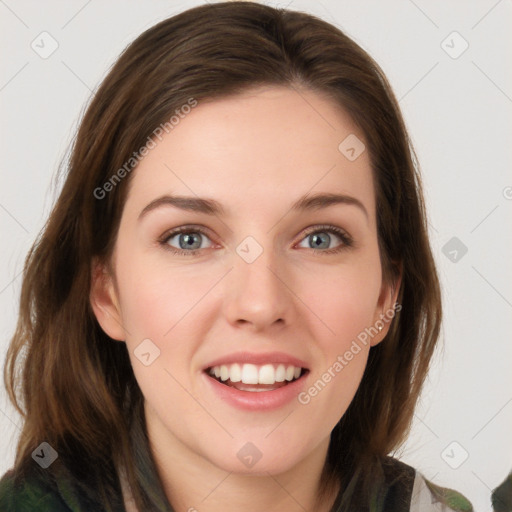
{"points": [[74, 385]]}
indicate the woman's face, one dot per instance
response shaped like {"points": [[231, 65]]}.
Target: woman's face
{"points": [[277, 267]]}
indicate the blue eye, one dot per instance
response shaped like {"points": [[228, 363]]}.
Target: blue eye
{"points": [[188, 240], [319, 241], [321, 238]]}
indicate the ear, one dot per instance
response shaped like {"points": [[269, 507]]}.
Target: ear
{"points": [[105, 303], [387, 307]]}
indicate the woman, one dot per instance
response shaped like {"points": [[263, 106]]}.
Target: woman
{"points": [[233, 304]]}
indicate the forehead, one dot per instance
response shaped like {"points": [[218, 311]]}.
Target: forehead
{"points": [[270, 144]]}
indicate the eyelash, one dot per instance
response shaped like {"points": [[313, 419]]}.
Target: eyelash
{"points": [[347, 241]]}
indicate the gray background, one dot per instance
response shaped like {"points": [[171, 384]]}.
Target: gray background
{"points": [[458, 109]]}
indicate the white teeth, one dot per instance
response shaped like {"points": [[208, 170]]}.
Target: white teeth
{"points": [[253, 374], [224, 373], [280, 373], [267, 374], [235, 373], [250, 374]]}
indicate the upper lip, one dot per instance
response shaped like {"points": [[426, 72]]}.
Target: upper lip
{"points": [[258, 359]]}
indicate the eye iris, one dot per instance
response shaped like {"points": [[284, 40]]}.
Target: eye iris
{"points": [[187, 241], [321, 241]]}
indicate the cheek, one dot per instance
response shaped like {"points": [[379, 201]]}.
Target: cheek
{"points": [[155, 298], [344, 300], [158, 307], [346, 309]]}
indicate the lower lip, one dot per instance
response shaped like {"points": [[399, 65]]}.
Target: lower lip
{"points": [[257, 400]]}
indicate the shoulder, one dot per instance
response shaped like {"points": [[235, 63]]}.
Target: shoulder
{"points": [[31, 492], [502, 496], [38, 490], [422, 495], [430, 497]]}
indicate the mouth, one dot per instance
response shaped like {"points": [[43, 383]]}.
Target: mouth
{"points": [[256, 378]]}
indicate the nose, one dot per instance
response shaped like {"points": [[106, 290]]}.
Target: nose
{"points": [[257, 295]]}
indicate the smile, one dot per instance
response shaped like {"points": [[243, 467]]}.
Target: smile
{"points": [[252, 377]]}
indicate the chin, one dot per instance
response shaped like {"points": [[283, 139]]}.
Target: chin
{"points": [[262, 468], [258, 458]]}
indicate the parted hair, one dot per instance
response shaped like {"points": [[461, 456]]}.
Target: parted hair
{"points": [[73, 385]]}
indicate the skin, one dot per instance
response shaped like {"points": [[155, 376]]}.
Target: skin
{"points": [[256, 154]]}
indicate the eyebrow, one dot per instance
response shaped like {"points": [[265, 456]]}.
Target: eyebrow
{"points": [[212, 207]]}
